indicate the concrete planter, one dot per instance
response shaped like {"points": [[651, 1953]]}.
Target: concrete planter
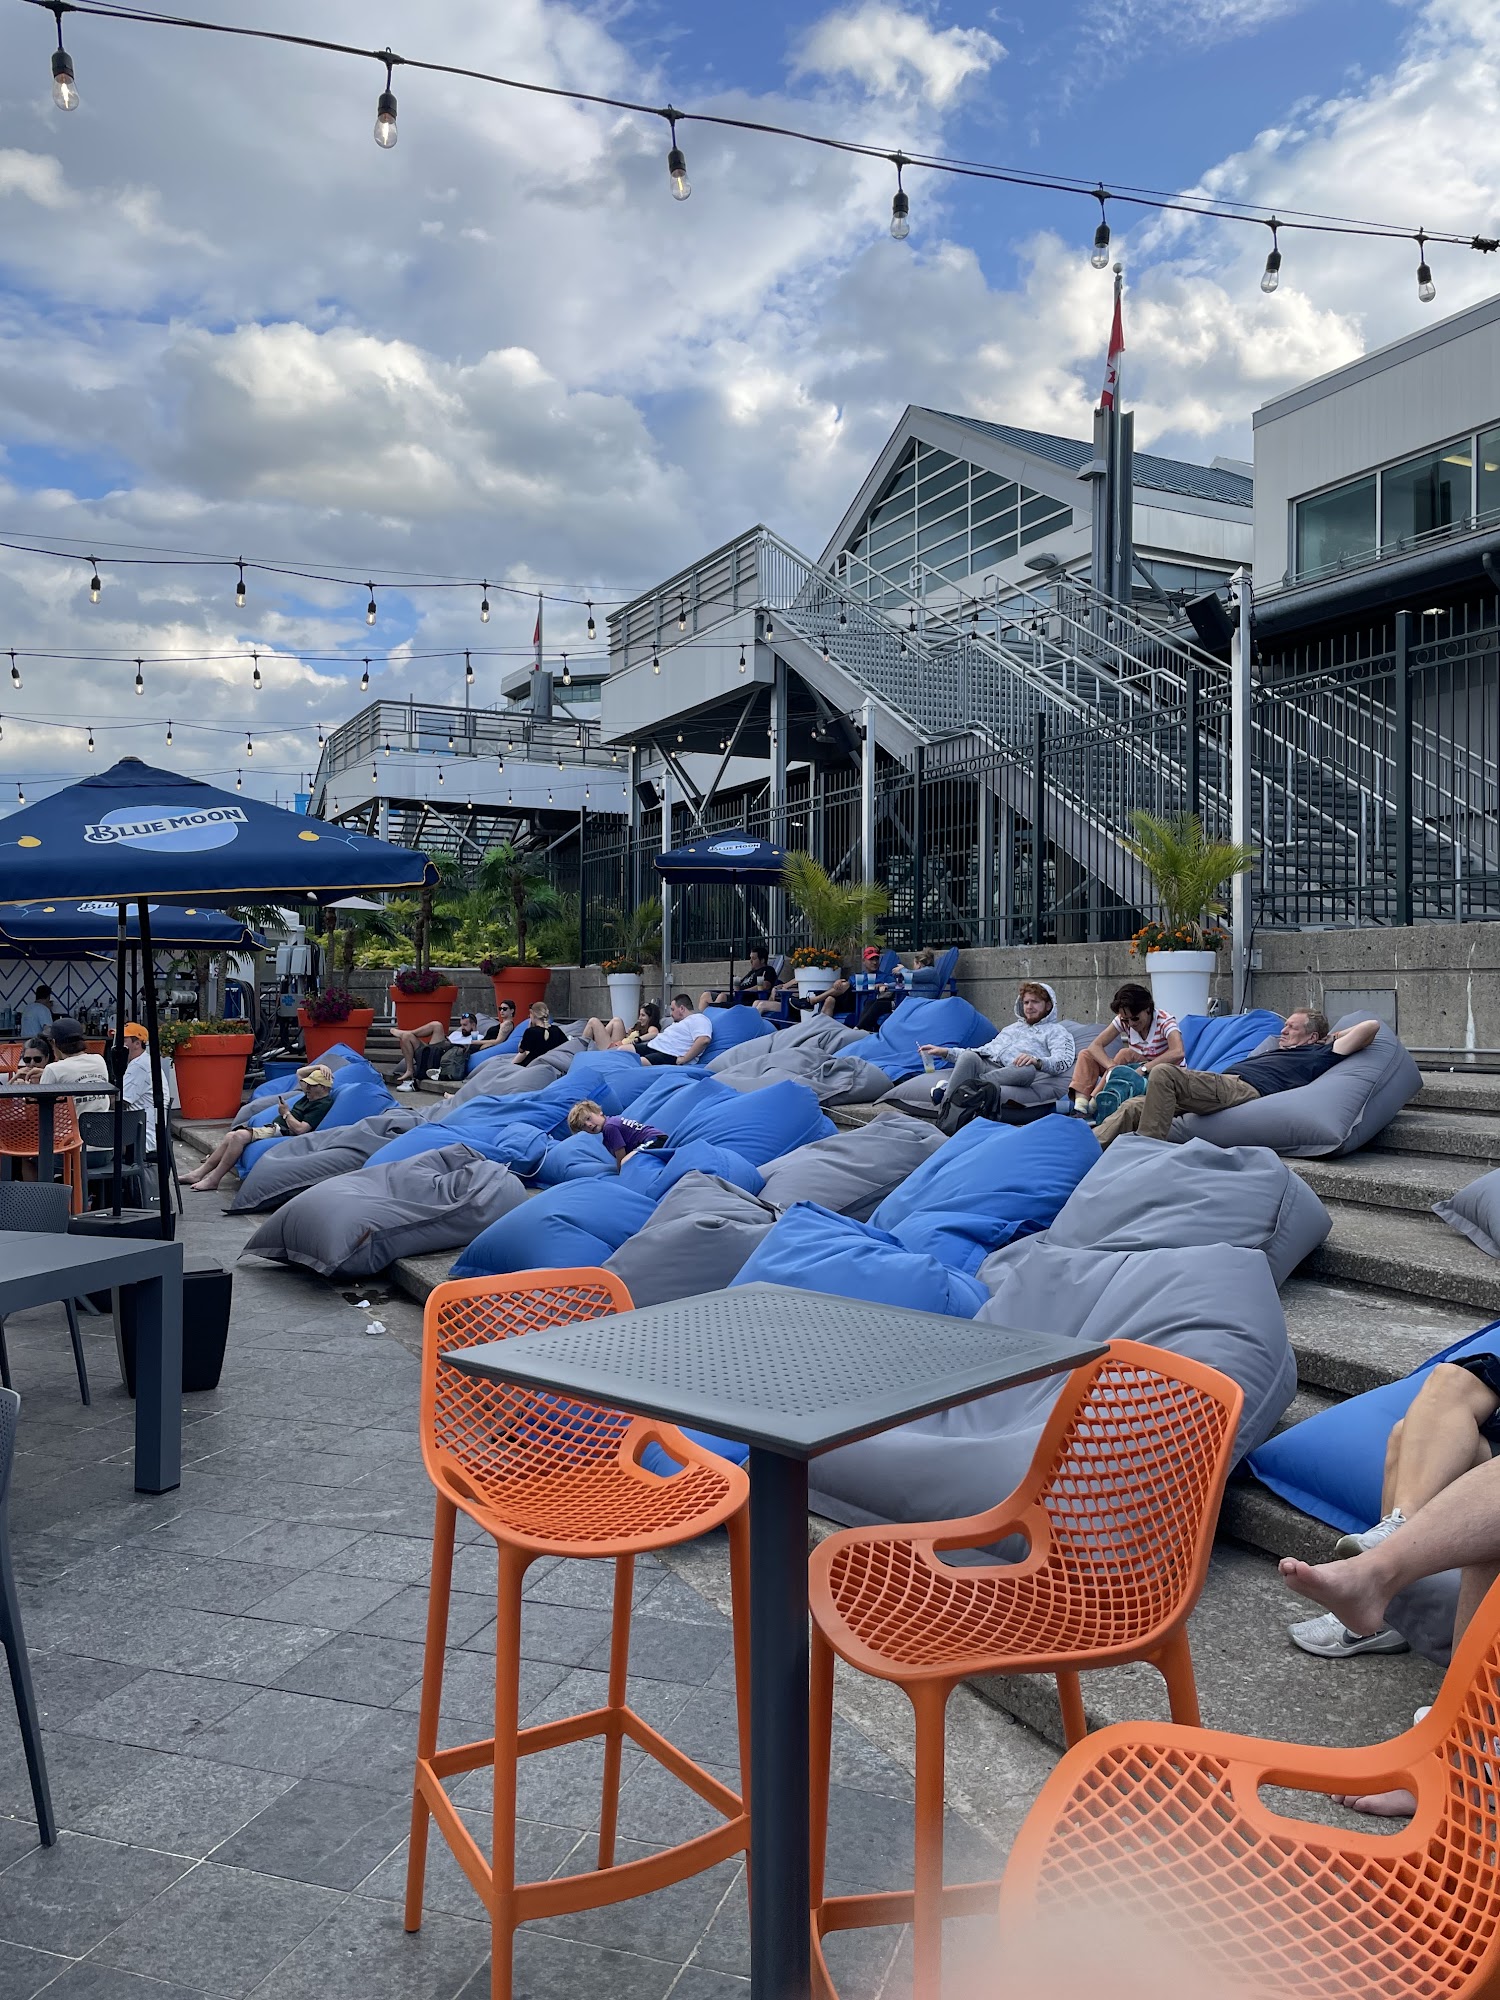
{"points": [[319, 1037], [625, 995], [211, 1075], [415, 1010]]}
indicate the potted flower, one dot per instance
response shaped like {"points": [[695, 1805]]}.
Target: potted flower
{"points": [[1188, 872], [837, 916], [333, 1017], [509, 876], [623, 976], [814, 968], [209, 1059], [637, 938], [420, 997]]}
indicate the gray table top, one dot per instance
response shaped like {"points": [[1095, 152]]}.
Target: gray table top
{"points": [[89, 1087], [29, 1257], [791, 1371]]}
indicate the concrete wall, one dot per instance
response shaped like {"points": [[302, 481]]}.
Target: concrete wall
{"points": [[573, 992]]}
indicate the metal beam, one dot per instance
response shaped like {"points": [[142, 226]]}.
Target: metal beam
{"points": [[1241, 922]]}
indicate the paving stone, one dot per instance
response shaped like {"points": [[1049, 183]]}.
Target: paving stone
{"points": [[82, 1773], [318, 1831], [324, 1597], [24, 1972], [362, 1953], [163, 1711], [279, 1730], [296, 1545], [541, 1851], [183, 1804], [401, 1558], [404, 1616], [66, 1898], [669, 1649], [469, 1687], [548, 1967], [353, 1666], [68, 1683], [667, 1923], [90, 1981], [230, 1926]]}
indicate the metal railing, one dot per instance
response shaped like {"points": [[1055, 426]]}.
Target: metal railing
{"points": [[410, 728]]}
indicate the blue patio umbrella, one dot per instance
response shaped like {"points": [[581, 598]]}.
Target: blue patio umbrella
{"points": [[78, 930], [136, 834], [735, 858]]}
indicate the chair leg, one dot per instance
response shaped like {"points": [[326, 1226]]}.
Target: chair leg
{"points": [[614, 1737], [739, 1608], [1175, 1662], [71, 1309], [930, 1700], [1070, 1700], [20, 1680], [5, 1381], [513, 1565], [820, 1761], [439, 1592]]}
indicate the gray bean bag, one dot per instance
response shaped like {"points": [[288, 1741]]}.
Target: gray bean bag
{"points": [[853, 1172], [701, 1235], [298, 1163], [499, 1077], [1346, 1108], [354, 1226], [835, 1079], [1475, 1212], [814, 1031], [1147, 1194], [1217, 1305]]}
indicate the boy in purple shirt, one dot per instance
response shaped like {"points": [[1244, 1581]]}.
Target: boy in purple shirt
{"points": [[621, 1136]]}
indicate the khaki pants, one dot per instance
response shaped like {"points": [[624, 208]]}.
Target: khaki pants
{"points": [[1170, 1090]]}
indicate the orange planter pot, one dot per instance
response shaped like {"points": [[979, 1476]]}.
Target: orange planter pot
{"points": [[210, 1073], [319, 1037], [415, 1010], [522, 984]]}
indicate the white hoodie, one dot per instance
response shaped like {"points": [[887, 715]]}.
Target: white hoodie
{"points": [[1049, 1041]]}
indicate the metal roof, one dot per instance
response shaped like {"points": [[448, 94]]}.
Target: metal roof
{"points": [[1159, 475]]}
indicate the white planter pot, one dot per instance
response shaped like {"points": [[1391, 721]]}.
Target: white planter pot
{"points": [[814, 979], [1180, 980], [625, 995]]}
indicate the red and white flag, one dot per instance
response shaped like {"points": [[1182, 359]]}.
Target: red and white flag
{"points": [[536, 637], [1111, 389]]}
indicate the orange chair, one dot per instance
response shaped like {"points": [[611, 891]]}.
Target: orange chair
{"points": [[1163, 1828], [1118, 1511], [547, 1476], [20, 1138]]}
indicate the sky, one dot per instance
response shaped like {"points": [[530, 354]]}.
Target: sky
{"points": [[230, 324]]}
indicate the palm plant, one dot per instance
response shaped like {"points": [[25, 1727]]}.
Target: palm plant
{"points": [[837, 914], [510, 876], [1188, 871], [634, 935]]}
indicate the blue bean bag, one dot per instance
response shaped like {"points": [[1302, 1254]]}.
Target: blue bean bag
{"points": [[655, 1173], [519, 1147], [1214, 1041], [664, 1088], [546, 1108], [953, 1023], [760, 1124], [563, 1228], [817, 1251], [1332, 1465], [987, 1186], [623, 1075], [579, 1157], [731, 1027], [509, 1047]]}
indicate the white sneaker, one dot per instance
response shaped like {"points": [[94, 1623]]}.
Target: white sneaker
{"points": [[1330, 1639], [939, 1092], [408, 1085], [1370, 1538]]}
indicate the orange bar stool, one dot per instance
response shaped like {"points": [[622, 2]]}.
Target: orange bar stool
{"points": [[20, 1139], [1117, 1511], [1163, 1829], [546, 1476]]}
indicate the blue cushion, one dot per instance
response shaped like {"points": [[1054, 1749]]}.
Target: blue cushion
{"points": [[1214, 1041], [989, 1184], [546, 1108], [759, 1124], [818, 1251], [509, 1047], [556, 1230], [520, 1147], [654, 1173], [656, 1460], [579, 1157], [733, 1025], [1332, 1465], [953, 1023], [663, 1087], [623, 1075]]}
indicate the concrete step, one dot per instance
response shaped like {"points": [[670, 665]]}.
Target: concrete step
{"points": [[1460, 1135], [1458, 1090], [1411, 1181], [1408, 1253], [1353, 1337]]}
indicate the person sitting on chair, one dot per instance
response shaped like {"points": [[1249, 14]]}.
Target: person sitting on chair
{"points": [[136, 1088], [1034, 1045], [35, 1057], [500, 1028], [540, 1034], [427, 1053], [76, 1063], [306, 1115], [1140, 1034], [754, 983]]}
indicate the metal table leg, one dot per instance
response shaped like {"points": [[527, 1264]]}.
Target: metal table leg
{"points": [[46, 1156], [780, 1929], [158, 1385]]}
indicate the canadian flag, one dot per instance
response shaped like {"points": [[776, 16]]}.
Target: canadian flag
{"points": [[1112, 365], [536, 637]]}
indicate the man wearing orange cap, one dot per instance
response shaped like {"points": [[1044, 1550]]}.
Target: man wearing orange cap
{"points": [[137, 1084]]}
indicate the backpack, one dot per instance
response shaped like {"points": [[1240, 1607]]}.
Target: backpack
{"points": [[1123, 1082], [454, 1066], [969, 1101]]}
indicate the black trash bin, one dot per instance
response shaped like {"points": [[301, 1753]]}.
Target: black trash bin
{"points": [[207, 1294]]}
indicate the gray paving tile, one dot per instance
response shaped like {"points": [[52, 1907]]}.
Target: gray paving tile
{"points": [[183, 1804], [82, 1772], [558, 1632], [362, 1953], [665, 1924], [17, 1837], [381, 1752], [295, 1544], [670, 1649], [401, 1558], [144, 1569], [353, 1666], [541, 1851], [557, 1968], [88, 1981], [207, 1531], [68, 1683], [656, 1808], [404, 1616], [327, 1598], [469, 1687], [162, 1711], [590, 1586], [277, 1730], [230, 1926], [321, 1832], [24, 1972], [699, 1983], [66, 1898]]}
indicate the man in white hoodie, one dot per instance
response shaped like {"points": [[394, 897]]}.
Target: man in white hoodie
{"points": [[1035, 1044]]}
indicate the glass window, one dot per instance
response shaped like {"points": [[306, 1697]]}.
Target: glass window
{"points": [[1040, 530], [993, 552], [1036, 507], [1425, 494], [952, 479], [1488, 501], [1337, 527]]}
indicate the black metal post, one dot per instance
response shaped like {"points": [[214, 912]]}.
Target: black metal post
{"points": [[158, 1089], [918, 842], [583, 887], [117, 1062], [1192, 762], [1402, 777], [1038, 824], [780, 1929]]}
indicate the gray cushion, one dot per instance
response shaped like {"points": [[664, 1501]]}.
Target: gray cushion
{"points": [[293, 1164], [1147, 1194], [813, 1031], [913, 1095], [834, 1079], [1475, 1212], [853, 1172], [356, 1225], [1340, 1111], [698, 1240], [1217, 1305], [499, 1076]]}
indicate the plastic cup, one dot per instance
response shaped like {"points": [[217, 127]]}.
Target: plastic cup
{"points": [[927, 1061]]}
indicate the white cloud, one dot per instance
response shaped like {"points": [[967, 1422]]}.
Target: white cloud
{"points": [[894, 52]]}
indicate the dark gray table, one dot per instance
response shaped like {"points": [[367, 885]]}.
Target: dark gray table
{"points": [[45, 1096], [36, 1270], [791, 1374]]}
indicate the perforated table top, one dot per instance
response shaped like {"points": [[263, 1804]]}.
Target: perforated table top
{"points": [[791, 1371]]}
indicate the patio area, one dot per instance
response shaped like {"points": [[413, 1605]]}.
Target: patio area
{"points": [[228, 1678]]}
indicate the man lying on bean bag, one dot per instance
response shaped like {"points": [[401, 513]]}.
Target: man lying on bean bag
{"points": [[1306, 1049]]}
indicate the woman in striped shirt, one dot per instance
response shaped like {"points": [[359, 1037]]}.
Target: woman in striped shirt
{"points": [[1141, 1034]]}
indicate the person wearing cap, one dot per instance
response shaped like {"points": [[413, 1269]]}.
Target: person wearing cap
{"points": [[75, 1063], [306, 1115], [137, 1085]]}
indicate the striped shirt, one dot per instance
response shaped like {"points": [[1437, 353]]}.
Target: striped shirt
{"points": [[1153, 1043]]}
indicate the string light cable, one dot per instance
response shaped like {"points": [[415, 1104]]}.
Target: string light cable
{"points": [[1161, 200]]}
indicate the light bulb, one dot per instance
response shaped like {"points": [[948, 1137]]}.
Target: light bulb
{"points": [[1099, 256], [440, 774], [911, 617], [15, 672], [249, 746], [682, 187], [385, 120], [468, 670], [1426, 289], [591, 619], [567, 677], [370, 607], [20, 796], [140, 685], [386, 746], [549, 795], [450, 742], [900, 215], [682, 614], [655, 663], [742, 659], [239, 781], [255, 677], [1270, 277], [91, 741], [94, 586], [64, 89], [484, 606], [239, 590], [364, 679], [320, 735], [169, 733]]}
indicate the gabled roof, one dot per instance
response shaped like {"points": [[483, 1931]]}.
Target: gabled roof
{"points": [[1159, 475]]}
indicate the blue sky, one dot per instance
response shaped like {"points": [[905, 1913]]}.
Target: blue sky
{"points": [[229, 322]]}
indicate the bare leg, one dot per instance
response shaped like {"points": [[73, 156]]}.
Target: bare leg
{"points": [[231, 1147], [595, 1033], [1439, 1438]]}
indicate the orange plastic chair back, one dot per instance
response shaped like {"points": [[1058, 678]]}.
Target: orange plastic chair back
{"points": [[10, 1057], [20, 1128], [546, 1470]]}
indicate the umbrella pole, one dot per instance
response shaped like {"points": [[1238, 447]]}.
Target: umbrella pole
{"points": [[158, 1093], [117, 1064]]}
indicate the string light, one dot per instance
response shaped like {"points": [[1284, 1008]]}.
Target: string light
{"points": [[374, 773], [770, 629], [249, 746], [169, 733], [385, 108], [1099, 256], [567, 678], [1426, 289], [484, 604], [1270, 277], [239, 781], [140, 683], [440, 774], [94, 584], [239, 590], [370, 607], [255, 677], [900, 203], [2, 732], [743, 662], [320, 735], [20, 796], [64, 88], [386, 746], [91, 742], [450, 741], [592, 628], [549, 795], [364, 679], [682, 611], [468, 671], [655, 663], [15, 671], [677, 173]]}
